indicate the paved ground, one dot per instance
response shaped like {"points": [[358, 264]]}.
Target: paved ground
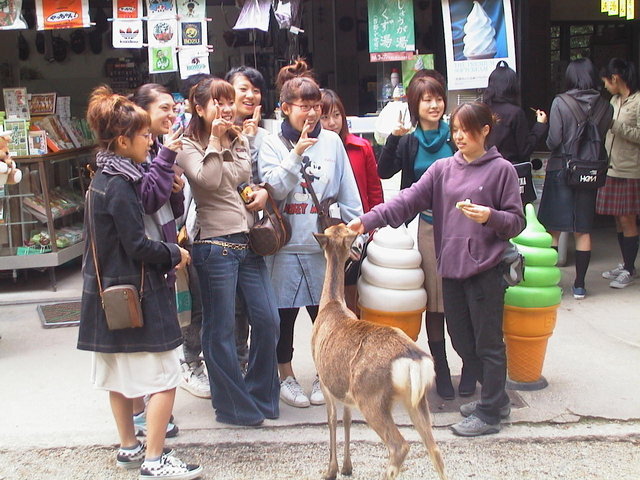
{"points": [[584, 425]]}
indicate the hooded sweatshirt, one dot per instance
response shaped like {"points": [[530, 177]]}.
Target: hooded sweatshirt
{"points": [[464, 248]]}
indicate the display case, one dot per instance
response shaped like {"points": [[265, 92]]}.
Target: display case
{"points": [[41, 224]]}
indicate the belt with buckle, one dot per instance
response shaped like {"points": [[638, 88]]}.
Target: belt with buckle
{"points": [[220, 243]]}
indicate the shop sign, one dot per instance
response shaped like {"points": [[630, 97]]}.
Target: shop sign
{"points": [[622, 8], [161, 8], [162, 59], [162, 33], [191, 8], [55, 14], [123, 9], [391, 26], [10, 15], [193, 60], [193, 33], [127, 33]]}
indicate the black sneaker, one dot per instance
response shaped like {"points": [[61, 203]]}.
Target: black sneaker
{"points": [[131, 459], [468, 408], [170, 468], [473, 426]]}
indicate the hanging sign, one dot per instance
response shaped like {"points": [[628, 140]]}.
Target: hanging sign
{"points": [[162, 33], [161, 8], [10, 15], [193, 60], [127, 9], [390, 28], [191, 9], [55, 14], [127, 33], [193, 33], [162, 59]]}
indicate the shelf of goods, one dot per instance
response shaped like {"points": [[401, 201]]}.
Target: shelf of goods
{"points": [[41, 224]]}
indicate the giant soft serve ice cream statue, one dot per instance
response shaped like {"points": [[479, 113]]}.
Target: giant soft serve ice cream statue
{"points": [[479, 35]]}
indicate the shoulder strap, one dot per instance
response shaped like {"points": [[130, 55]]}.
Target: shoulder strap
{"points": [[310, 188], [575, 109], [598, 111], [287, 142], [94, 251]]}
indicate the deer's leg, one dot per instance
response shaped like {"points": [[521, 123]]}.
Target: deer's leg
{"points": [[379, 418], [347, 468], [332, 420], [422, 421]]}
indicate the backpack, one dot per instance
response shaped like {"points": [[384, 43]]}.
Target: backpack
{"points": [[587, 160]]}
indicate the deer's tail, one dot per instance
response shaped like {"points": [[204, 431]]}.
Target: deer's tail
{"points": [[412, 377]]}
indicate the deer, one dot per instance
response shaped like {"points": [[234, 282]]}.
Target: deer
{"points": [[367, 366]]}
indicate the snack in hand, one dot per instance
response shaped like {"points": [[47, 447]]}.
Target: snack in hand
{"points": [[459, 205]]}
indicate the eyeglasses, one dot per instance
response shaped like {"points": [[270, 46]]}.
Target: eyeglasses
{"points": [[306, 108]]}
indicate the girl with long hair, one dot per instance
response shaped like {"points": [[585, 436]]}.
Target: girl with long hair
{"points": [[216, 159], [365, 170]]}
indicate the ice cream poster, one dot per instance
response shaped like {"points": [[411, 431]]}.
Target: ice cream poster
{"points": [[477, 35], [162, 32], [127, 33], [162, 59], [193, 33], [161, 8], [193, 60], [191, 9], [55, 14], [10, 16], [127, 9]]}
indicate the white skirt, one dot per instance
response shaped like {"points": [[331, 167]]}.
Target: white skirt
{"points": [[136, 374]]}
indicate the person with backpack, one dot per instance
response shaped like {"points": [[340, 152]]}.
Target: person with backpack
{"points": [[620, 196], [572, 209]]}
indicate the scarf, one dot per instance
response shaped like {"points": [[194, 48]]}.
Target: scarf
{"points": [[112, 164], [293, 135], [432, 146]]}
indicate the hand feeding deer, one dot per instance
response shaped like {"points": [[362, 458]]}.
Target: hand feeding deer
{"points": [[368, 366]]}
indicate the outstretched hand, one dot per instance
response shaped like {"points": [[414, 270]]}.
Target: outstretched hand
{"points": [[304, 142], [356, 226], [219, 125]]}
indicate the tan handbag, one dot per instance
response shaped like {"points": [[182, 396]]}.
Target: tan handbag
{"points": [[121, 303]]}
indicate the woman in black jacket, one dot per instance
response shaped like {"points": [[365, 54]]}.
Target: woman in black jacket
{"points": [[131, 362], [511, 134]]}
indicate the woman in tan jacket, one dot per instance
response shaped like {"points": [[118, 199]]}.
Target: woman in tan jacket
{"points": [[620, 196]]}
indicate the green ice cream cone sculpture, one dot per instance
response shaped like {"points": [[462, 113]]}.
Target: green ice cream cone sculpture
{"points": [[531, 306]]}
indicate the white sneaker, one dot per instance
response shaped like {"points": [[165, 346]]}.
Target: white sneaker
{"points": [[624, 279], [614, 272], [292, 394], [316, 397], [195, 380]]}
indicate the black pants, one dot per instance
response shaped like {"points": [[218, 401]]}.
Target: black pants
{"points": [[474, 308], [288, 317]]}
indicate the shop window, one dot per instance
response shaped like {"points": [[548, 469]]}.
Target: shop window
{"points": [[597, 41]]}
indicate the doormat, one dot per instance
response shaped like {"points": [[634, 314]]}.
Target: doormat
{"points": [[64, 314]]}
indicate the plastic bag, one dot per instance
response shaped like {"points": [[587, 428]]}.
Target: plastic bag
{"points": [[254, 14], [388, 120]]}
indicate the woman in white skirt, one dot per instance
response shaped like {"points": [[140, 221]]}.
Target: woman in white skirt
{"points": [[130, 362]]}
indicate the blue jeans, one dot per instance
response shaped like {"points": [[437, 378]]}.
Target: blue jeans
{"points": [[222, 271]]}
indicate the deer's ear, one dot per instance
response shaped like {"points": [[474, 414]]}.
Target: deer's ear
{"points": [[321, 238]]}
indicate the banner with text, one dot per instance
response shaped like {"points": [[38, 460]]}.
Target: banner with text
{"points": [[55, 14]]}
